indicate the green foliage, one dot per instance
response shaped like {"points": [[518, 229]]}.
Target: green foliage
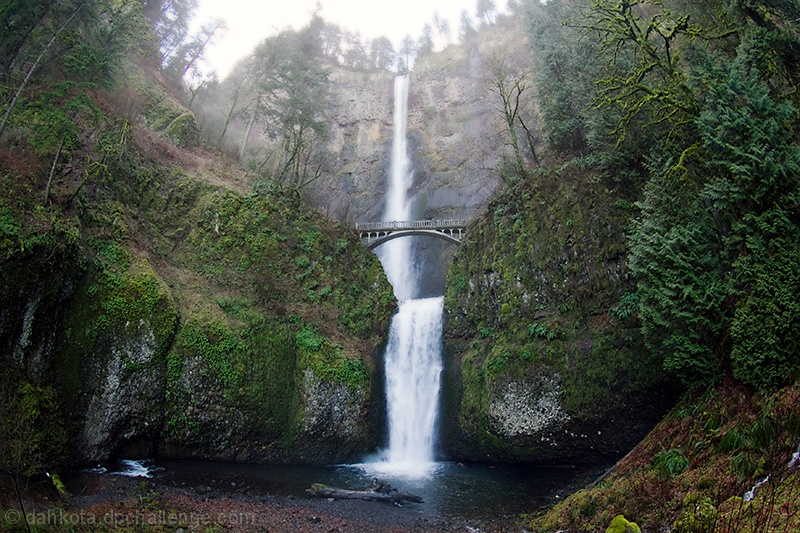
{"points": [[699, 516], [32, 432], [765, 326], [542, 331], [59, 485], [671, 462], [459, 284], [20, 239], [627, 306], [351, 371], [733, 440], [309, 339], [727, 239], [681, 287], [56, 118]]}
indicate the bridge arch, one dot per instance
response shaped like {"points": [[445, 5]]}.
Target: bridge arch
{"points": [[373, 234], [372, 244]]}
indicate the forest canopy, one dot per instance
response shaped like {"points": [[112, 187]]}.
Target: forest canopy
{"points": [[690, 109]]}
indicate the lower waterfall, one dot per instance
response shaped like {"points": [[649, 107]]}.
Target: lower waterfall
{"points": [[413, 370]]}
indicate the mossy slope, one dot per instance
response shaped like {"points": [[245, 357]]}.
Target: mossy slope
{"points": [[175, 309], [543, 356], [724, 462]]}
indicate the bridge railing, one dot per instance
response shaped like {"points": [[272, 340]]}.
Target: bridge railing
{"points": [[412, 224]]}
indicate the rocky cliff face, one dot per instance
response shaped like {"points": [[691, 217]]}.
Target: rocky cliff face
{"points": [[173, 311], [454, 129], [454, 137], [543, 361]]}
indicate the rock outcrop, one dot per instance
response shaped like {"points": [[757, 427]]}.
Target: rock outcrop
{"points": [[174, 315], [455, 124], [544, 363]]}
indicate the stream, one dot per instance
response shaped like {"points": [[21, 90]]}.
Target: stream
{"points": [[450, 491]]}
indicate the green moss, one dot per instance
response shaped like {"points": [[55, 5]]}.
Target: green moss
{"points": [[327, 360], [619, 524], [699, 516], [542, 280], [123, 295], [32, 430], [182, 131]]}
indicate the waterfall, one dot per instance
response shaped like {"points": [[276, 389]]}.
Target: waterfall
{"points": [[396, 255], [413, 368], [413, 354]]}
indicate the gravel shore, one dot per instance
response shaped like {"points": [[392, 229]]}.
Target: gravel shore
{"points": [[123, 503]]}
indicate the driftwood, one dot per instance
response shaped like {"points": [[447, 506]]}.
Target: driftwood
{"points": [[379, 491]]}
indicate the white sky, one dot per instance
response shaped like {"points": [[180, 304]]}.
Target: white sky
{"points": [[251, 21]]}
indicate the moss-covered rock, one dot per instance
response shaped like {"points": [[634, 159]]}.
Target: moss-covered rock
{"points": [[621, 525], [544, 357], [110, 354], [276, 360], [182, 131]]}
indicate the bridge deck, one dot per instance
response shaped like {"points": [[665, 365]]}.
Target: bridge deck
{"points": [[376, 233], [397, 225]]}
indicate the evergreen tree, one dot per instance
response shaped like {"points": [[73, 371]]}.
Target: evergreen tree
{"points": [[466, 29], [381, 53], [425, 42], [292, 98], [485, 11]]}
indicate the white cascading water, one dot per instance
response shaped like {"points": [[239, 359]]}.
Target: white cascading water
{"points": [[413, 369], [396, 255], [413, 354]]}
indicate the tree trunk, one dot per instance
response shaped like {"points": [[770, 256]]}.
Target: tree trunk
{"points": [[247, 134], [24, 83], [380, 492], [531, 144], [21, 505], [53, 170]]}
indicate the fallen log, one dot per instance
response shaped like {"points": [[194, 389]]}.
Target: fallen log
{"points": [[380, 491]]}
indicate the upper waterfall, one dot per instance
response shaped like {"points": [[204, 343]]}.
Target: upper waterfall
{"points": [[396, 255]]}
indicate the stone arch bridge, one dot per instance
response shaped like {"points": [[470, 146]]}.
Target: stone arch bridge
{"points": [[376, 233]]}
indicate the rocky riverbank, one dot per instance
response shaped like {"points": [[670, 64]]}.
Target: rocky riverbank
{"points": [[120, 503]]}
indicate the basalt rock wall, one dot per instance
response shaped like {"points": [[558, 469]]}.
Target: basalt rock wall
{"points": [[544, 360]]}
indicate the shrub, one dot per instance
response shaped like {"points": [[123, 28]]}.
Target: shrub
{"points": [[671, 463], [766, 327]]}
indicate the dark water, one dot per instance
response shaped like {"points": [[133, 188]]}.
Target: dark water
{"points": [[449, 490]]}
